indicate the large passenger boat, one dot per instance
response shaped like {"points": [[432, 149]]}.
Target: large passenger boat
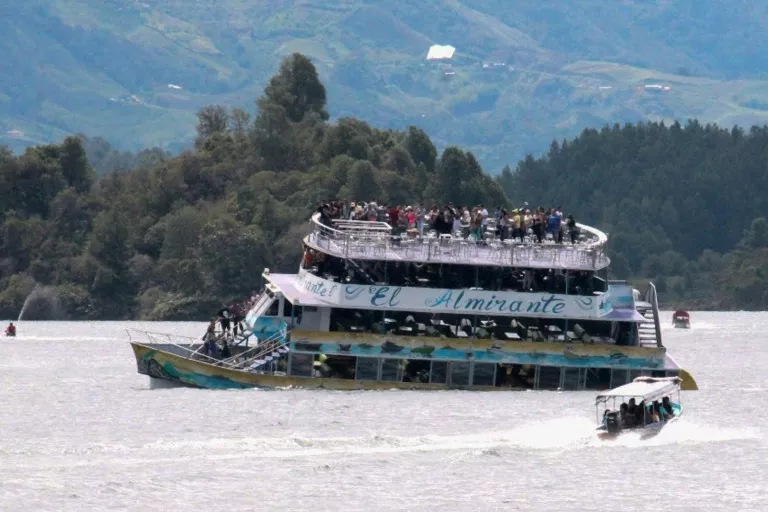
{"points": [[368, 309]]}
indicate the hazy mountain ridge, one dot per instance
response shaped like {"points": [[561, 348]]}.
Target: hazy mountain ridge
{"points": [[108, 67]]}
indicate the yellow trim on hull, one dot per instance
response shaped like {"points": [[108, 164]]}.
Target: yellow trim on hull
{"points": [[199, 373], [689, 383]]}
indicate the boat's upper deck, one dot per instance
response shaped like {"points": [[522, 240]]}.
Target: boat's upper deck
{"points": [[374, 241]]}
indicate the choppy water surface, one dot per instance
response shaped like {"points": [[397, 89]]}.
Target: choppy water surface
{"points": [[79, 430]]}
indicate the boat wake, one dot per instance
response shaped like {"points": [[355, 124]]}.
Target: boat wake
{"points": [[562, 434]]}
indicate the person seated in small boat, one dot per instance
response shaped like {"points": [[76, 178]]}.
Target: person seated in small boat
{"points": [[660, 411], [640, 414], [667, 407], [651, 416], [627, 418], [632, 407], [10, 330]]}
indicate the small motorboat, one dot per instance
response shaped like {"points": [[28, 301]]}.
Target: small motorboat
{"points": [[649, 410], [10, 331], [681, 320]]}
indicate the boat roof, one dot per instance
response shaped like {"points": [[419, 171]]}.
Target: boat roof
{"points": [[681, 313], [646, 388]]}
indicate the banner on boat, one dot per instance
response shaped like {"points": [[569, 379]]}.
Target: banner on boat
{"points": [[436, 300]]}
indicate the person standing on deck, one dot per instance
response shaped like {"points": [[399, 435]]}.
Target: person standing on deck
{"points": [[223, 317]]}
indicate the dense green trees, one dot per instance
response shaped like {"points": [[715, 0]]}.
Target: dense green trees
{"points": [[676, 201], [160, 237]]}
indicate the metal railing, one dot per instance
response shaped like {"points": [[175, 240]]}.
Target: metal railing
{"points": [[239, 361], [374, 244], [651, 298]]}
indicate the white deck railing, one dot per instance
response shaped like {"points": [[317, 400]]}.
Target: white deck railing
{"points": [[377, 243]]}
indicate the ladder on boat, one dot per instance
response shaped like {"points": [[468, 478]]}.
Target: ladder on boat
{"points": [[361, 271], [273, 348], [649, 331], [260, 308]]}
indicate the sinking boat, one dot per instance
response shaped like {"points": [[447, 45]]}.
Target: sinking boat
{"points": [[379, 309]]}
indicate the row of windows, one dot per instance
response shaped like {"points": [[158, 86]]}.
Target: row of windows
{"points": [[466, 373]]}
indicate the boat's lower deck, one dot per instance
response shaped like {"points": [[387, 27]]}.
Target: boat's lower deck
{"points": [[366, 362]]}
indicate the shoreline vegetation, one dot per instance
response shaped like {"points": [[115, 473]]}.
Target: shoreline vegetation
{"points": [[172, 238]]}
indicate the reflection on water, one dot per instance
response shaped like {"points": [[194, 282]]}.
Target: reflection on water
{"points": [[81, 430]]}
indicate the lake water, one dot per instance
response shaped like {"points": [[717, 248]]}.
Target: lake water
{"points": [[81, 430]]}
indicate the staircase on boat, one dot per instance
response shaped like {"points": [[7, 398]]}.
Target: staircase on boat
{"points": [[649, 331]]}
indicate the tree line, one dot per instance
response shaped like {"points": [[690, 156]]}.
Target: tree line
{"points": [[683, 205]]}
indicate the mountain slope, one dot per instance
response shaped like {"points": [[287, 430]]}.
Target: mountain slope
{"points": [[524, 73]]}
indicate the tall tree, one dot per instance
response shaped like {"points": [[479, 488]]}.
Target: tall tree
{"points": [[297, 89], [212, 119]]}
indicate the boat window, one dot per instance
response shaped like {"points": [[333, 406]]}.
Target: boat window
{"points": [[439, 373], [548, 377], [367, 368], [392, 370], [657, 374], [618, 378], [516, 376], [483, 374], [301, 364], [273, 309], [673, 373], [460, 373], [572, 379], [598, 378], [633, 374]]}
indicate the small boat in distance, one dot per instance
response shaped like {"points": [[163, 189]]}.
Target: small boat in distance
{"points": [[681, 320], [654, 411], [10, 331]]}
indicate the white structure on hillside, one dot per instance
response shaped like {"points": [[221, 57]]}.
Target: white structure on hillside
{"points": [[439, 52]]}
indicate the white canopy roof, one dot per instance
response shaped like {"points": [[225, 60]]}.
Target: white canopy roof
{"points": [[646, 388], [437, 51]]}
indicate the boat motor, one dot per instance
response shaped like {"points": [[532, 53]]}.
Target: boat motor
{"points": [[613, 422]]}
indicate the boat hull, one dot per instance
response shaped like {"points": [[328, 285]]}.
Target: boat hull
{"points": [[160, 364], [645, 432]]}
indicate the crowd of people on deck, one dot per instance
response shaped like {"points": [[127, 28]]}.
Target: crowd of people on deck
{"points": [[468, 222], [229, 320], [637, 415]]}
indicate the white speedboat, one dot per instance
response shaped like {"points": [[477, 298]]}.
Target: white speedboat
{"points": [[645, 405]]}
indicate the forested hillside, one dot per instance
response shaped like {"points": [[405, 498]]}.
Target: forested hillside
{"points": [[684, 206], [175, 237], [136, 72]]}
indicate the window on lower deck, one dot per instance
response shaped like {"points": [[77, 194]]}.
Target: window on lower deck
{"points": [[598, 379], [619, 377], [301, 364], [572, 379], [549, 377], [483, 374], [392, 370], [439, 373], [459, 373], [367, 368]]}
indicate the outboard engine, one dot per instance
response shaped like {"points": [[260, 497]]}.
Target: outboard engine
{"points": [[613, 422]]}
